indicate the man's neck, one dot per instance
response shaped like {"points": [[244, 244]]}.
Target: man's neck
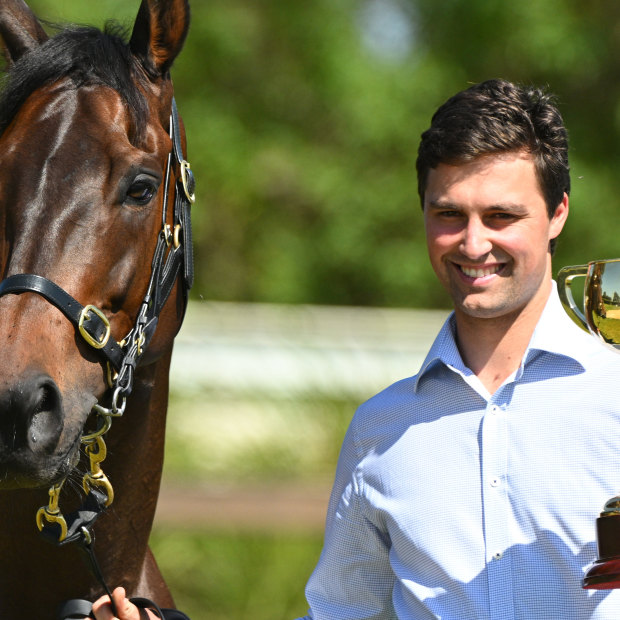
{"points": [[492, 348]]}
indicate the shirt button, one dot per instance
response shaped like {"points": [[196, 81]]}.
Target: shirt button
{"points": [[495, 482], [498, 556], [494, 409]]}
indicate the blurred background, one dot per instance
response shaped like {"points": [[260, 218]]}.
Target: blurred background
{"points": [[313, 289]]}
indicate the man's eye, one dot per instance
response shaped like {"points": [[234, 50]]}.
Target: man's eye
{"points": [[503, 216]]}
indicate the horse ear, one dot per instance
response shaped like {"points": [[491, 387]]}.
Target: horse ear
{"points": [[159, 33], [19, 28]]}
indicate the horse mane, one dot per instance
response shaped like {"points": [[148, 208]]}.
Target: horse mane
{"points": [[86, 55]]}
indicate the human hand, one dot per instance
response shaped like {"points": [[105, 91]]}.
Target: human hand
{"points": [[126, 609]]}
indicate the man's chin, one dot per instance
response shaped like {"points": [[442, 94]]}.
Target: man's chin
{"points": [[482, 307]]}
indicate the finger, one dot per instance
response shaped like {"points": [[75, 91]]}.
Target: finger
{"points": [[125, 608], [102, 609]]}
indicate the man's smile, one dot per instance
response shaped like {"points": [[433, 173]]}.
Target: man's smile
{"points": [[480, 271]]}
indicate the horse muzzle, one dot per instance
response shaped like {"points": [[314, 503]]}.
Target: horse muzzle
{"points": [[31, 424]]}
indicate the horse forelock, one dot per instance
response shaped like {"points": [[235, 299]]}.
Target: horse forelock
{"points": [[87, 56]]}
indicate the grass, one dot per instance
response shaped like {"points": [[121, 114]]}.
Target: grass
{"points": [[225, 439], [217, 575]]}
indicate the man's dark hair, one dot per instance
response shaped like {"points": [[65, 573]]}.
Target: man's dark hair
{"points": [[497, 116]]}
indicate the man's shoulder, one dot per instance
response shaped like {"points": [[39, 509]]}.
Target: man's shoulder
{"points": [[395, 401], [588, 349], [561, 337], [601, 364], [401, 389]]}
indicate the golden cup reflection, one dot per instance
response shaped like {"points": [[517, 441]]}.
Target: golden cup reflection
{"points": [[601, 317], [601, 298]]}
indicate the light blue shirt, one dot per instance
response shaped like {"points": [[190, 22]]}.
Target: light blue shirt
{"points": [[453, 503]]}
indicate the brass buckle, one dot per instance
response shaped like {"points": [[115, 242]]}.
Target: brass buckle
{"points": [[177, 235], [111, 375], [96, 477], [106, 424], [167, 232], [84, 316], [99, 480], [51, 513], [191, 196]]}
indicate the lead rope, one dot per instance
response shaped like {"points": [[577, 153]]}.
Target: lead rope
{"points": [[88, 547], [81, 608]]}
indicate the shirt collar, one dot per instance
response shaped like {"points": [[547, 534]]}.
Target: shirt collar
{"points": [[555, 333], [444, 351]]}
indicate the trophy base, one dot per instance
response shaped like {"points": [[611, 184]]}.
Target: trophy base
{"points": [[604, 574]]}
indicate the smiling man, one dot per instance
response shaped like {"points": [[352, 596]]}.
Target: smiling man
{"points": [[470, 491], [488, 234]]}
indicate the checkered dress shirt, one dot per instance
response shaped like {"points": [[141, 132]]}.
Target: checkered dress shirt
{"points": [[453, 503]]}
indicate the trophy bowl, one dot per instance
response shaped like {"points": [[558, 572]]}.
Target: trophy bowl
{"points": [[601, 298], [601, 317]]}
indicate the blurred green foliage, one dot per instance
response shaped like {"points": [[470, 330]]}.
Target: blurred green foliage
{"points": [[303, 121], [225, 439], [224, 575]]}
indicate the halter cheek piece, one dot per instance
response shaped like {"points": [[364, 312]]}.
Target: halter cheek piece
{"points": [[173, 252]]}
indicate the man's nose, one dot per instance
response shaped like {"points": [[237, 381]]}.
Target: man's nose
{"points": [[475, 241]]}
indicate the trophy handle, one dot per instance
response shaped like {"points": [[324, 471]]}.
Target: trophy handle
{"points": [[565, 281]]}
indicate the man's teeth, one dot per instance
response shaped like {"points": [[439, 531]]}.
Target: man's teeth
{"points": [[479, 272]]}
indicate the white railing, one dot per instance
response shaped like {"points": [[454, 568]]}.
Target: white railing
{"points": [[283, 350]]}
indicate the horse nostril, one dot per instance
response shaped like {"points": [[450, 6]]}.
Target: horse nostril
{"points": [[31, 415], [45, 420]]}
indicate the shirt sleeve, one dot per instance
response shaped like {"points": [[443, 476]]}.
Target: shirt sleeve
{"points": [[353, 578]]}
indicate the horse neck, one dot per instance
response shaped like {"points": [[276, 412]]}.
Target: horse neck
{"points": [[39, 575]]}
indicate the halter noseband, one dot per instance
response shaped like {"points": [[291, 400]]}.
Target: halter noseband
{"points": [[173, 252]]}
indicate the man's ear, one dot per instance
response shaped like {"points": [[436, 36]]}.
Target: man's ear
{"points": [[559, 218]]}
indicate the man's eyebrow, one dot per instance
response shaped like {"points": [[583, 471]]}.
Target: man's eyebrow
{"points": [[442, 204], [507, 207], [516, 208]]}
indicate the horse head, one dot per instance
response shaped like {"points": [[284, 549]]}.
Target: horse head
{"points": [[83, 152]]}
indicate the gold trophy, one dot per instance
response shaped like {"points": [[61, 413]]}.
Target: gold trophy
{"points": [[601, 317]]}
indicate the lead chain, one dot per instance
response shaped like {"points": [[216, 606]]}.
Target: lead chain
{"points": [[94, 443]]}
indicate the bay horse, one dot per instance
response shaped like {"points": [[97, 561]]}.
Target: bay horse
{"points": [[96, 263]]}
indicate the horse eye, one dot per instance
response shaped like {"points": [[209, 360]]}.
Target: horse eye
{"points": [[141, 192]]}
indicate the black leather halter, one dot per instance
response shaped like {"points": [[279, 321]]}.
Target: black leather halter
{"points": [[85, 318], [173, 251]]}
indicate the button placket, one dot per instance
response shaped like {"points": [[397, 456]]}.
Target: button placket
{"points": [[496, 508]]}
